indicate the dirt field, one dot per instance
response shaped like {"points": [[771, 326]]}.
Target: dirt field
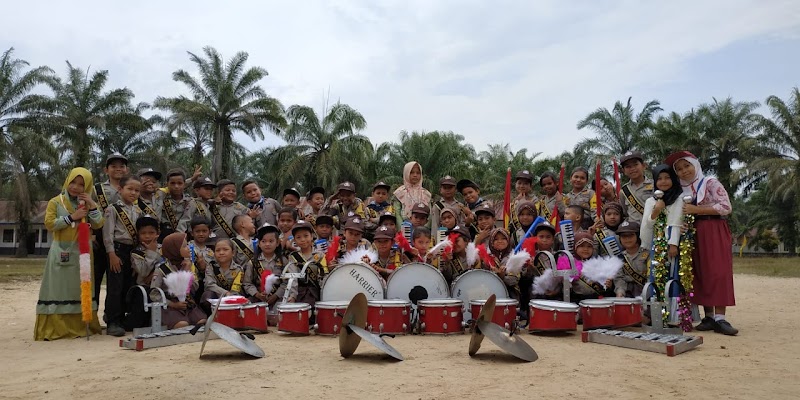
{"points": [[762, 362]]}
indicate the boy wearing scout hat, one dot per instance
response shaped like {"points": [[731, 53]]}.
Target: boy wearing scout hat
{"points": [[455, 262], [378, 204], [324, 227], [178, 207], [151, 199], [268, 258], [419, 215], [389, 258], [523, 185], [631, 278], [447, 191], [484, 214], [353, 238], [639, 187], [344, 204], [306, 290], [203, 191], [471, 193], [222, 213]]}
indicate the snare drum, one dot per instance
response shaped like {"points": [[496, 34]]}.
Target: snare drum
{"points": [[477, 284], [627, 311], [597, 313], [552, 316], [293, 317], [329, 317], [231, 315], [441, 316], [505, 311], [415, 282], [255, 316], [346, 280], [389, 316]]}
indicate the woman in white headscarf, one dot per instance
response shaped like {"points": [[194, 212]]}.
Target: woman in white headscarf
{"points": [[712, 257], [411, 192]]}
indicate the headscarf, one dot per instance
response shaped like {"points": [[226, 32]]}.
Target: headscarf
{"points": [[492, 235], [409, 194], [171, 248], [447, 209], [675, 192], [616, 206], [697, 186], [88, 186]]}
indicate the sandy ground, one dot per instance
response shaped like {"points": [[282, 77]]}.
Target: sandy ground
{"points": [[762, 362]]}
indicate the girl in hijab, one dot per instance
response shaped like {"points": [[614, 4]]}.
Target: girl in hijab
{"points": [[177, 258], [58, 311], [411, 192], [670, 203], [712, 256]]}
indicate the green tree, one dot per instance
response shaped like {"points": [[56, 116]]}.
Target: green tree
{"points": [[619, 130], [439, 154], [228, 98], [490, 170], [16, 84], [132, 135], [671, 133]]}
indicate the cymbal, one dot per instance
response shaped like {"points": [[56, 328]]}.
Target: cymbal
{"points": [[486, 315], [207, 331], [376, 341], [356, 315], [512, 344], [238, 340]]}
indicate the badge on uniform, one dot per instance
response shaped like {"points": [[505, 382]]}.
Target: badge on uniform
{"points": [[64, 256]]}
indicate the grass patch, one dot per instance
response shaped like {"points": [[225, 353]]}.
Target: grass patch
{"points": [[15, 269], [767, 266]]}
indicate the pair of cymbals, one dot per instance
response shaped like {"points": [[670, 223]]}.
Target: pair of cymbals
{"points": [[241, 341], [353, 322], [504, 339]]}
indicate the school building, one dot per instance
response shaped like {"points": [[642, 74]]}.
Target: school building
{"points": [[38, 237]]}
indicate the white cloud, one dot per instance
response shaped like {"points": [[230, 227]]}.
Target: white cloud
{"points": [[507, 71]]}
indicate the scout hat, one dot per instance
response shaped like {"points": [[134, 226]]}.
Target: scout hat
{"points": [[634, 155], [266, 228], [525, 174], [546, 226], [349, 186], [292, 191], [317, 189], [628, 227], [381, 184], [421, 208], [384, 232], [485, 208], [387, 215], [176, 172], [465, 183], [300, 225], [147, 220], [204, 181], [461, 230], [324, 219], [149, 171], [447, 181], [355, 224], [116, 156]]}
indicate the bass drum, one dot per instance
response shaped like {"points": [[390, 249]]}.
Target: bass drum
{"points": [[477, 284], [347, 280], [416, 281]]}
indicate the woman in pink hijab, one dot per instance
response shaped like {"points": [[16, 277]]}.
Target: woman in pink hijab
{"points": [[713, 256], [411, 192]]}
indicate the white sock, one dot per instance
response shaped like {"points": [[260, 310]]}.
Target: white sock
{"points": [[719, 317]]}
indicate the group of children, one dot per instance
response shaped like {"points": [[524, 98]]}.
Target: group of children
{"points": [[149, 231]]}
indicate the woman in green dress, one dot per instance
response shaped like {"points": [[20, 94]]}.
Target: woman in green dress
{"points": [[58, 312]]}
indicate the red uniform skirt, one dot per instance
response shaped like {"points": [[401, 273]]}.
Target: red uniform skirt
{"points": [[713, 263]]}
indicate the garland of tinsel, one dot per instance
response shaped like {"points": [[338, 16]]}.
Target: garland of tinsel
{"points": [[686, 275], [660, 262]]}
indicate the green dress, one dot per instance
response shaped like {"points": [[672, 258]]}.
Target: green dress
{"points": [[59, 307]]}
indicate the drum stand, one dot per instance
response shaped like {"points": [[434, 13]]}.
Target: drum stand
{"points": [[292, 277], [565, 274], [656, 313], [154, 304]]}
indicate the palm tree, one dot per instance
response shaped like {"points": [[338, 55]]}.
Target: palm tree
{"points": [[16, 84], [133, 137], [30, 158], [620, 130], [439, 154], [672, 133], [320, 152], [80, 110], [192, 136], [490, 170], [227, 97]]}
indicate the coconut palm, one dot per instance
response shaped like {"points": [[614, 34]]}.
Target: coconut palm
{"points": [[672, 133], [16, 84], [229, 99], [490, 170], [133, 137], [619, 130]]}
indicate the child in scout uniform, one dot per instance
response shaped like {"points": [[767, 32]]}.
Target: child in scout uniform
{"points": [[485, 223], [262, 209], [638, 189], [458, 261], [499, 248], [315, 200], [176, 258], [324, 227], [353, 239], [119, 237], [146, 257], [223, 275], [151, 199], [344, 204], [447, 191], [545, 241], [306, 290], [222, 213], [612, 217], [523, 185], [607, 191], [389, 259], [204, 191], [411, 192], [243, 249], [526, 214], [582, 288], [419, 215], [107, 194], [421, 243], [201, 251], [287, 217], [269, 258], [376, 206], [546, 205], [291, 198], [581, 195], [448, 218], [472, 197], [631, 278], [177, 208], [388, 219], [58, 310]]}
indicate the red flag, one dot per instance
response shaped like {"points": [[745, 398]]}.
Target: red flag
{"points": [[616, 176], [507, 201], [598, 188]]}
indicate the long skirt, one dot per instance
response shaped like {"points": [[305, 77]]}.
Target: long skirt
{"points": [[713, 264]]}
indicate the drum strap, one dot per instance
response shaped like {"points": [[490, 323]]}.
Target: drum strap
{"points": [[126, 221], [313, 276], [145, 208], [101, 195], [599, 236], [633, 200], [628, 268], [222, 223], [247, 250], [173, 220]]}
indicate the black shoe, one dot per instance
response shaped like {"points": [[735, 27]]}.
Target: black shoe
{"points": [[724, 327], [707, 324], [115, 330]]}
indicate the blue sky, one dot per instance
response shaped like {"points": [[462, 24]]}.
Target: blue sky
{"points": [[507, 71]]}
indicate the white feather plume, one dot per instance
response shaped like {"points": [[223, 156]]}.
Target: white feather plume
{"points": [[439, 248], [601, 269], [547, 282], [357, 256], [472, 254], [517, 261], [179, 283], [270, 282]]}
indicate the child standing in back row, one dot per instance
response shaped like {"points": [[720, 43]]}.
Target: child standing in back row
{"points": [[581, 195], [411, 192]]}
